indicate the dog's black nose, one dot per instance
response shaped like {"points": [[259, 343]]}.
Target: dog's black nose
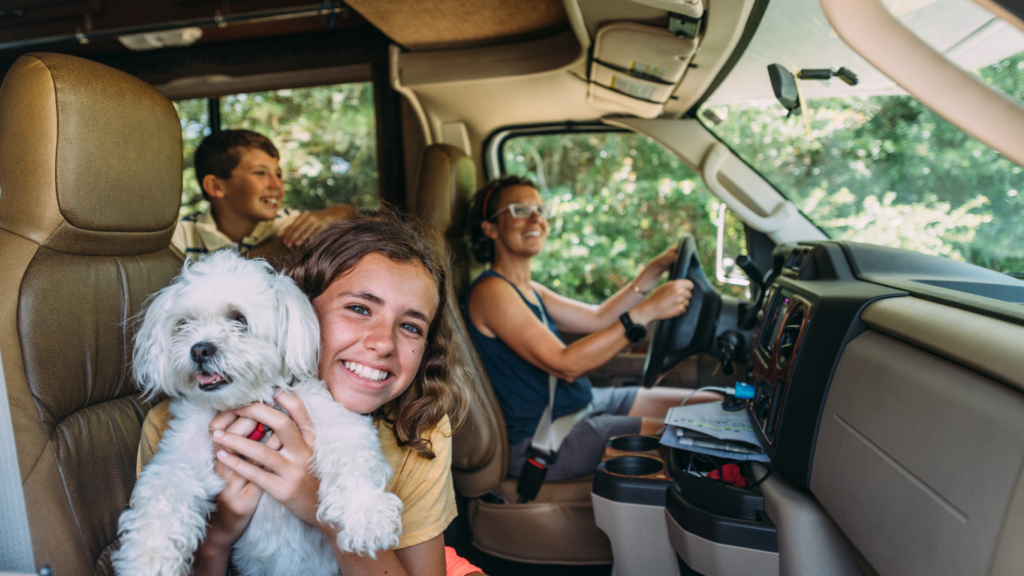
{"points": [[202, 351]]}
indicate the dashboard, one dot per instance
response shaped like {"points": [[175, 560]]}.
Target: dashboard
{"points": [[811, 311]]}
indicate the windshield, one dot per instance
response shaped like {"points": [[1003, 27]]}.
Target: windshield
{"points": [[869, 162]]}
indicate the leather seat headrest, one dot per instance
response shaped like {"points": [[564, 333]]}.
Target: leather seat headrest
{"points": [[90, 158]]}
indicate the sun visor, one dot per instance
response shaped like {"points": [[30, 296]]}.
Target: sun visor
{"points": [[636, 68]]}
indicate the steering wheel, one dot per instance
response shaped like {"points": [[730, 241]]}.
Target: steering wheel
{"points": [[675, 339]]}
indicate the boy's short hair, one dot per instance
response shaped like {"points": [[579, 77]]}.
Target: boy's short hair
{"points": [[220, 152]]}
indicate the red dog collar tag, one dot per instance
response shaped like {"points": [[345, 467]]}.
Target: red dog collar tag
{"points": [[261, 434]]}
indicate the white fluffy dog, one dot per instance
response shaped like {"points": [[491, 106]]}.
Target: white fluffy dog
{"points": [[226, 333]]}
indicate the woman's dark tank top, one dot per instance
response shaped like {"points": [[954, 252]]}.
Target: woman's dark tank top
{"points": [[521, 387]]}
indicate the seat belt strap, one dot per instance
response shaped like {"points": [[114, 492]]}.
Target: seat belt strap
{"points": [[551, 433], [548, 437], [15, 537]]}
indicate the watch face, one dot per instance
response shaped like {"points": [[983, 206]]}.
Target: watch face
{"points": [[636, 333]]}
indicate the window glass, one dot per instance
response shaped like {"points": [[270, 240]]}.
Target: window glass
{"points": [[195, 125], [618, 199], [326, 136], [869, 162], [970, 36]]}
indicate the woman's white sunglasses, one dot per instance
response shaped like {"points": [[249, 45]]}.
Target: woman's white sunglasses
{"points": [[521, 210]]}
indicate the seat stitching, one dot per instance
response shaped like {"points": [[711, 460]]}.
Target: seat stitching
{"points": [[123, 276]]}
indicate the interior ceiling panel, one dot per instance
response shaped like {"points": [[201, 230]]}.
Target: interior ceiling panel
{"points": [[444, 24]]}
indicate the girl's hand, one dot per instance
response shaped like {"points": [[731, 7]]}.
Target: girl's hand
{"points": [[668, 301], [237, 502], [283, 473]]}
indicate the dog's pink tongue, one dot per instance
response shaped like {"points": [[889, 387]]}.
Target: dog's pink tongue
{"points": [[205, 378]]}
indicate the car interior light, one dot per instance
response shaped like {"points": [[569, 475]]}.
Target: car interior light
{"points": [[162, 39]]}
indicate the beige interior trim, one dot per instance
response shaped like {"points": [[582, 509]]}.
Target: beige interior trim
{"points": [[638, 535], [578, 23], [956, 95], [394, 54], [520, 59], [748, 192], [1001, 12], [212, 86], [986, 345], [810, 544], [918, 459], [726, 20], [442, 24], [455, 134], [713, 559]]}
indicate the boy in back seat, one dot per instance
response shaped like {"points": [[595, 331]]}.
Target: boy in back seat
{"points": [[239, 173]]}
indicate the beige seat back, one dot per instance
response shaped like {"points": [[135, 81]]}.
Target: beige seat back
{"points": [[90, 186], [444, 185], [446, 180], [556, 528]]}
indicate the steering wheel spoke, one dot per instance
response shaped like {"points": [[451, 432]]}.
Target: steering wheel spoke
{"points": [[675, 339]]}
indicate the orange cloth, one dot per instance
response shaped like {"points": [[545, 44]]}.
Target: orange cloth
{"points": [[456, 565]]}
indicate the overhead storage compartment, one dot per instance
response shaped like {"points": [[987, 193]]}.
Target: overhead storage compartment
{"points": [[636, 67]]}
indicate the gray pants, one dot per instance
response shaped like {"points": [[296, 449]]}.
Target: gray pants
{"points": [[582, 448]]}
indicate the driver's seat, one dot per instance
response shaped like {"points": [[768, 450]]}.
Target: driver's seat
{"points": [[557, 527]]}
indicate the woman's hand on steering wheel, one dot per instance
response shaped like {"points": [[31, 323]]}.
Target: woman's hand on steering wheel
{"points": [[668, 301], [655, 268], [663, 262]]}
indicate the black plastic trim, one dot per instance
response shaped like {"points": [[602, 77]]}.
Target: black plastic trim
{"points": [[711, 495], [760, 534], [630, 490]]}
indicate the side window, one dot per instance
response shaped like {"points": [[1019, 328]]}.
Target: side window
{"points": [[326, 136], [618, 199]]}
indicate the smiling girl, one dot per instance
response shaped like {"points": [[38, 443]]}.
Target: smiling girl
{"points": [[380, 290]]}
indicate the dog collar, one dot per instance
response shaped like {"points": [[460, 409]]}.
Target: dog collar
{"points": [[261, 434]]}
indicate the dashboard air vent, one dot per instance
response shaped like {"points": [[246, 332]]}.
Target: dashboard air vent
{"points": [[790, 333]]}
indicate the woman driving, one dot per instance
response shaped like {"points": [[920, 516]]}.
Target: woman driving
{"points": [[514, 323]]}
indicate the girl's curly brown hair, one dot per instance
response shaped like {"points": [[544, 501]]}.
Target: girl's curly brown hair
{"points": [[438, 387]]}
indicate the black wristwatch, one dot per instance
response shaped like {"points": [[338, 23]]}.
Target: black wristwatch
{"points": [[634, 332]]}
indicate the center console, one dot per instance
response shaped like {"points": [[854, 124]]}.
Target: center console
{"points": [[810, 312], [662, 512]]}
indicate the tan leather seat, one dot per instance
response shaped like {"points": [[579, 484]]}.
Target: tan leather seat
{"points": [[90, 186], [556, 528]]}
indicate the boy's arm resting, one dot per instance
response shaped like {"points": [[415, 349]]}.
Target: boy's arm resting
{"points": [[309, 224]]}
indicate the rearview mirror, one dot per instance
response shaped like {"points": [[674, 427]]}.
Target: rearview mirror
{"points": [[784, 86]]}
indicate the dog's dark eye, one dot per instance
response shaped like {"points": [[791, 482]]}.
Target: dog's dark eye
{"points": [[181, 324], [237, 316]]}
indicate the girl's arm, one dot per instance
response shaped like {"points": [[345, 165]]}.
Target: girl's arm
{"points": [[496, 309], [577, 317], [235, 504], [285, 475]]}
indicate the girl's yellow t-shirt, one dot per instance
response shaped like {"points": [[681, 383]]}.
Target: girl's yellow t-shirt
{"points": [[424, 486]]}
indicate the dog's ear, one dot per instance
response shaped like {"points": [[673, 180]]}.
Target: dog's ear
{"points": [[151, 354], [298, 336]]}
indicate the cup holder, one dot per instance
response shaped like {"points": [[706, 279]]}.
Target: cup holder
{"points": [[633, 466], [634, 443]]}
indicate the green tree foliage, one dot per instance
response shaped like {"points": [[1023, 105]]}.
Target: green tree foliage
{"points": [[326, 136], [195, 125], [887, 170], [618, 199]]}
